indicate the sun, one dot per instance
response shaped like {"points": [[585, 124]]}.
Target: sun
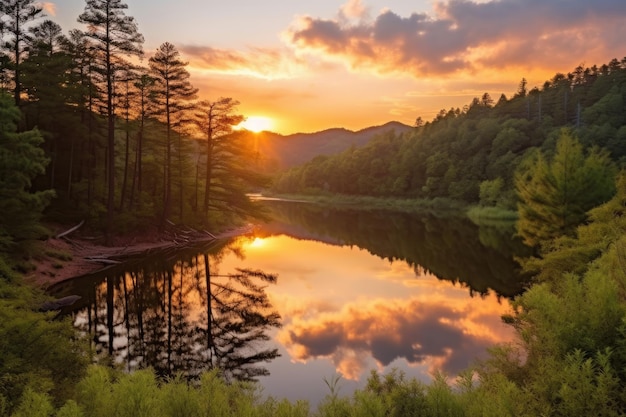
{"points": [[257, 242], [256, 124]]}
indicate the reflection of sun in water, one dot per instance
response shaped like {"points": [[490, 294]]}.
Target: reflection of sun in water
{"points": [[256, 124]]}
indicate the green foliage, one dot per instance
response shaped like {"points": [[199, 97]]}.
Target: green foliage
{"points": [[400, 397], [179, 399], [463, 155], [491, 191], [21, 159], [605, 227], [34, 404], [135, 395], [70, 409], [283, 408], [491, 395], [37, 354], [555, 194], [441, 400], [571, 329], [94, 392]]}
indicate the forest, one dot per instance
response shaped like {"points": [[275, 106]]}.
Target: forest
{"points": [[123, 145], [87, 133], [472, 154]]}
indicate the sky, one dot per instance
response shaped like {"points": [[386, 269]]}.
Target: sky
{"points": [[307, 66]]}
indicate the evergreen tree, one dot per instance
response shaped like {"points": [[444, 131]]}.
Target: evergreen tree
{"points": [[83, 96], [21, 159], [173, 93], [115, 36], [555, 194], [144, 93], [215, 120], [45, 83], [16, 14]]}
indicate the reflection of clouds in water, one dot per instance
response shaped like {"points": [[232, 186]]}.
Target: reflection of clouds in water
{"points": [[299, 308], [409, 276], [446, 336]]}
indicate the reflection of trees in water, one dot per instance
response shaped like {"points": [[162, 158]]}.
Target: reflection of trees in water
{"points": [[450, 248], [179, 314]]}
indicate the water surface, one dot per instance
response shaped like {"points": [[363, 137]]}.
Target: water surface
{"points": [[356, 291]]}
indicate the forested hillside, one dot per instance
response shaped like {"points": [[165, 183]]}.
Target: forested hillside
{"points": [[280, 152], [472, 154]]}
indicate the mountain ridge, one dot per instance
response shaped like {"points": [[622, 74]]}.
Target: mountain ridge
{"points": [[284, 151]]}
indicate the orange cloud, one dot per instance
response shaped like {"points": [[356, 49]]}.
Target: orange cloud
{"points": [[469, 36], [49, 8], [436, 331], [264, 63]]}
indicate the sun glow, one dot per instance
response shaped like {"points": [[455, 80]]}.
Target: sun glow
{"points": [[257, 242], [256, 124]]}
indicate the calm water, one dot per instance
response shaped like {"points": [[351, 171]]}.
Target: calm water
{"points": [[355, 292]]}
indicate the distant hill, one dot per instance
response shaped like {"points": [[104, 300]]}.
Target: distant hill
{"points": [[285, 151], [461, 153]]}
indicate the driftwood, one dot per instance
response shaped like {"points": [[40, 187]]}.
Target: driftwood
{"points": [[70, 230], [105, 261], [172, 240], [60, 303]]}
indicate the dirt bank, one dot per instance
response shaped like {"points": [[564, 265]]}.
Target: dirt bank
{"points": [[75, 255]]}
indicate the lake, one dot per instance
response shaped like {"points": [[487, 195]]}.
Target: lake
{"points": [[313, 294]]}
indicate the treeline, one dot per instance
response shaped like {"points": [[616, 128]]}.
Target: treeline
{"points": [[126, 144], [464, 153]]}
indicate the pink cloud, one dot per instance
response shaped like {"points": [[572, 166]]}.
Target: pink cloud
{"points": [[417, 331], [467, 36], [49, 7], [267, 63]]}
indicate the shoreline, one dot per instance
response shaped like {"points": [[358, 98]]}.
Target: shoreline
{"points": [[67, 258]]}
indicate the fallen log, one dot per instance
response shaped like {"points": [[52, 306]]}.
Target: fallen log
{"points": [[105, 261], [70, 230], [59, 303]]}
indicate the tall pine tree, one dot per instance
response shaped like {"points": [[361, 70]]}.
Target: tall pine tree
{"points": [[115, 36], [215, 120], [15, 15], [173, 93]]}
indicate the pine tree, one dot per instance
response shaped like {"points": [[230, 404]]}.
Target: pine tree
{"points": [[554, 195], [17, 14], [173, 93], [21, 159], [215, 120], [115, 36]]}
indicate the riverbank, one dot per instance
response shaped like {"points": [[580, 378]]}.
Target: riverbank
{"points": [[476, 213], [439, 205], [67, 257]]}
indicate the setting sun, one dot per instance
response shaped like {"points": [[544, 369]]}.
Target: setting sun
{"points": [[257, 242], [256, 123]]}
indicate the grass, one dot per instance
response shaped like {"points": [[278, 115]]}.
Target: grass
{"points": [[58, 254], [378, 203], [482, 215]]}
